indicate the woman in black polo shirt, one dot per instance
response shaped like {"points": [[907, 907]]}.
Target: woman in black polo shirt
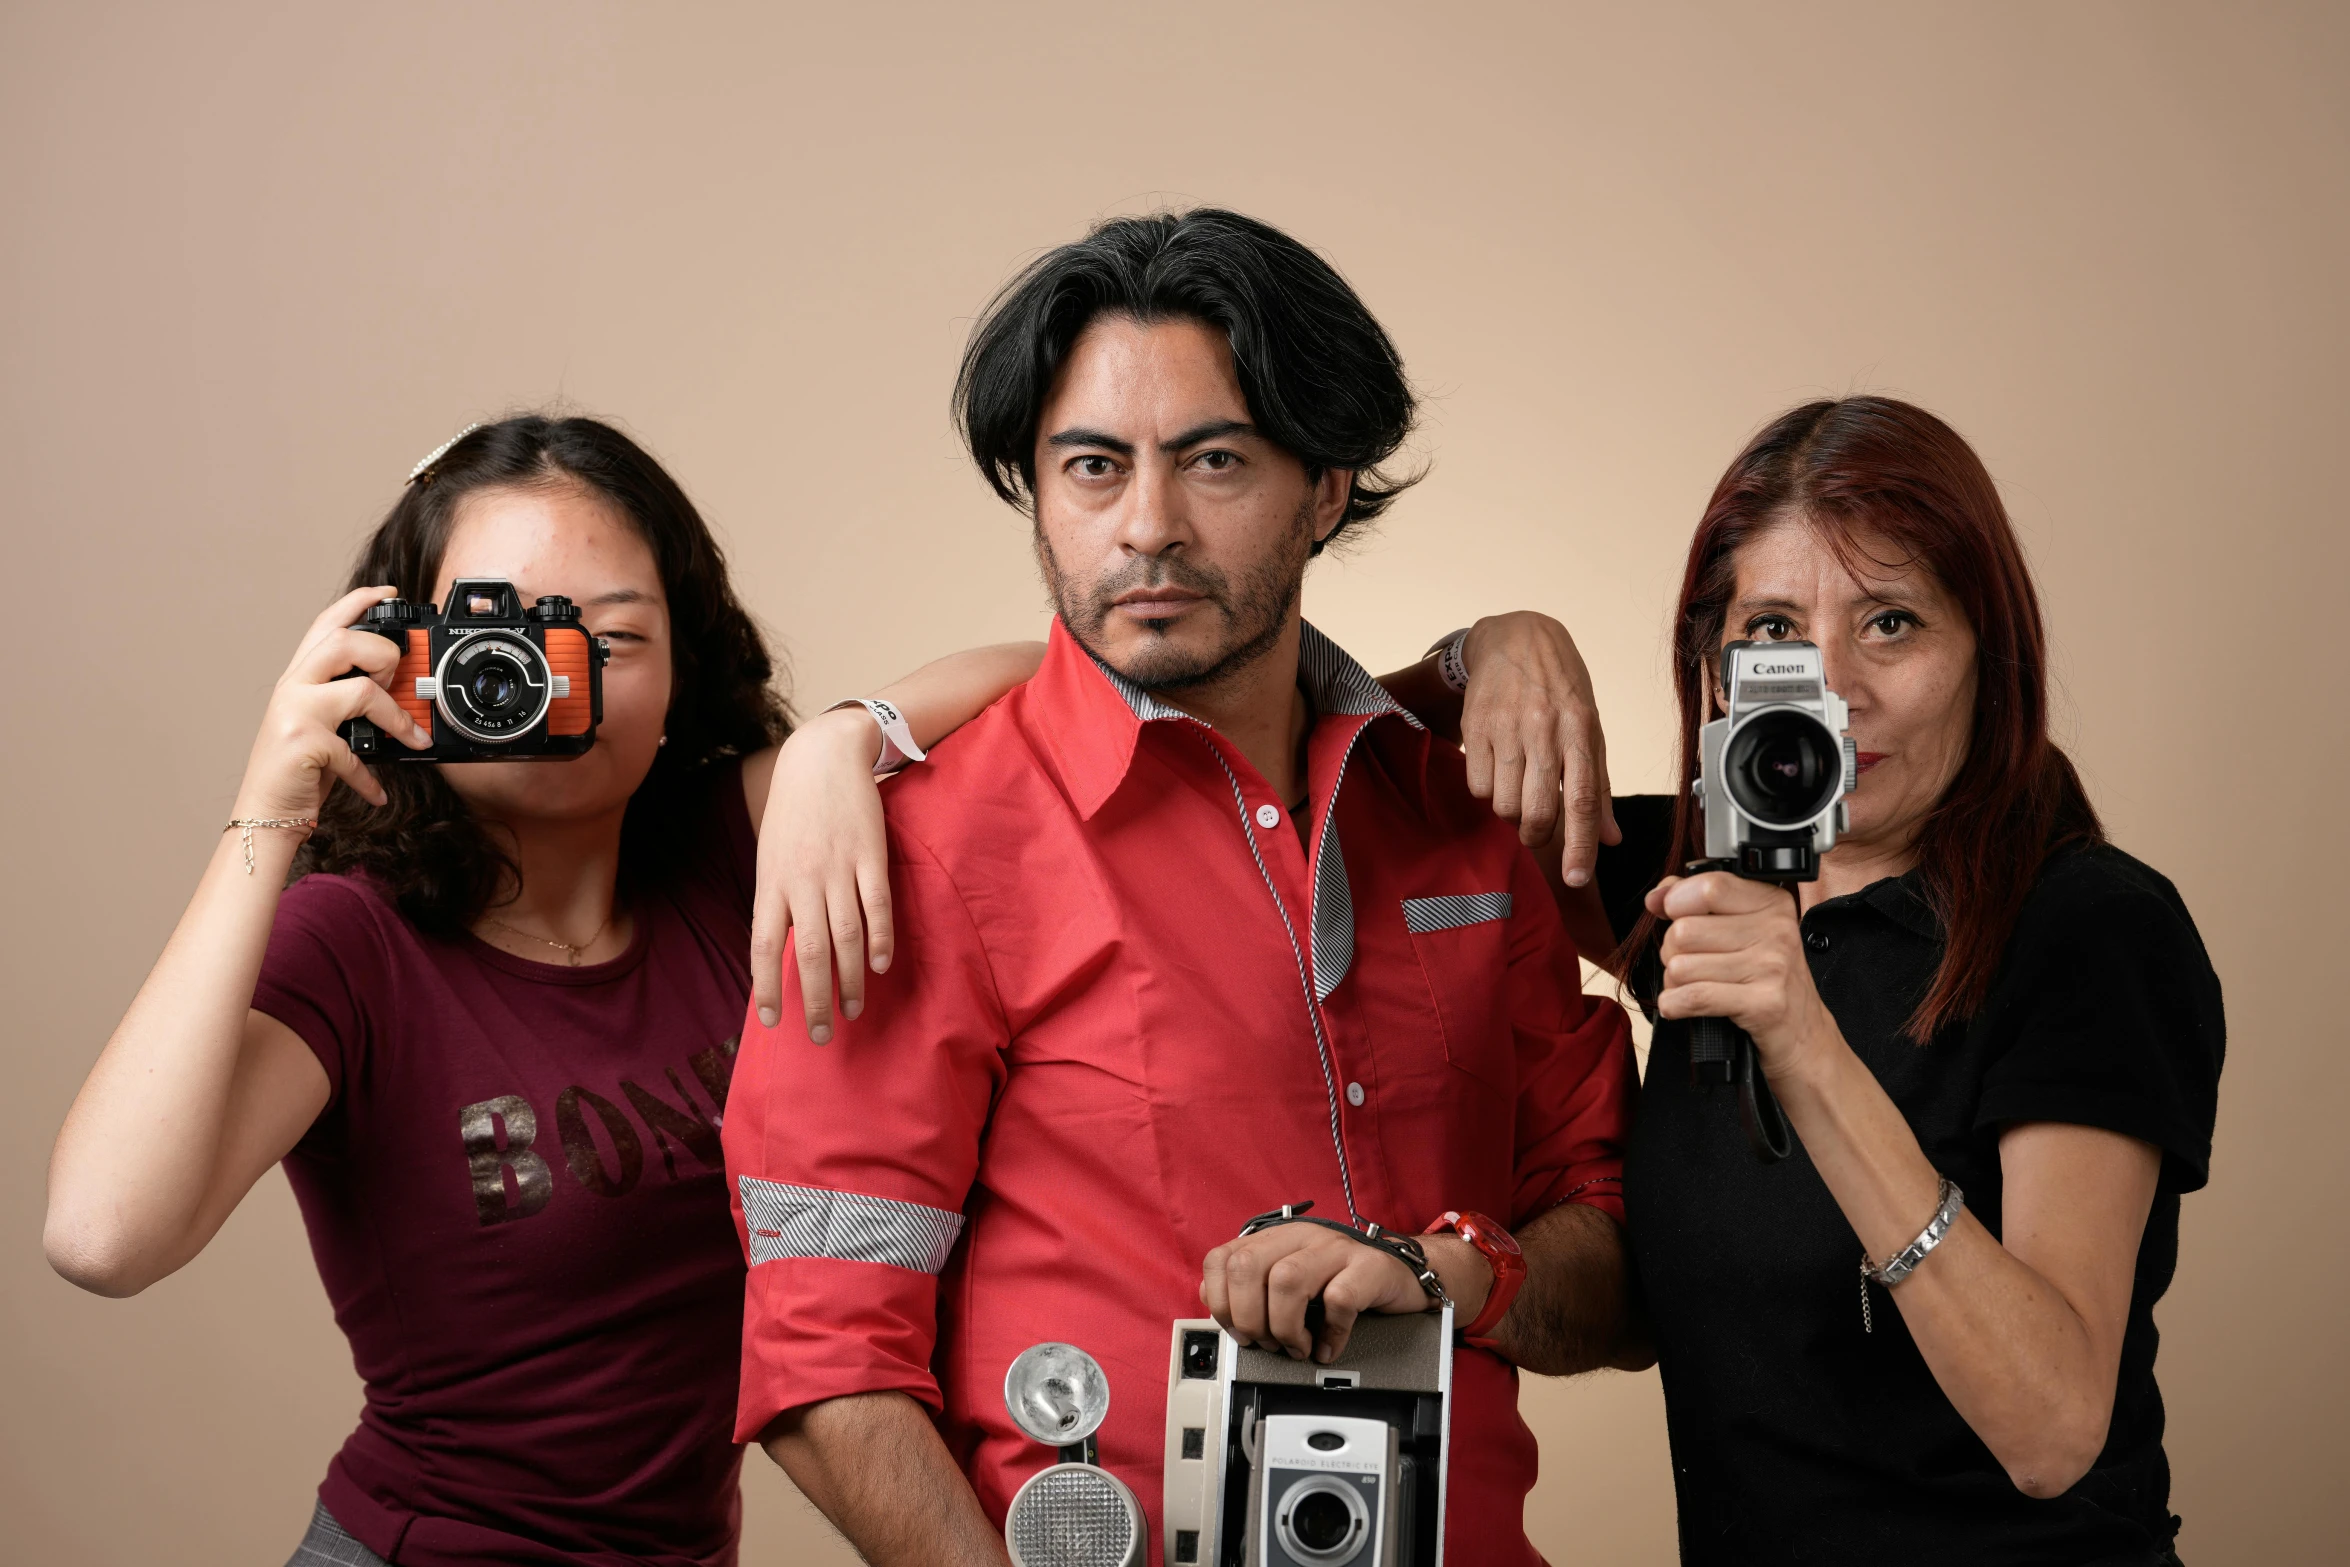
{"points": [[1981, 1011]]}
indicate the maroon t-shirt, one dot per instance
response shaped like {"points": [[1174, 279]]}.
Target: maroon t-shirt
{"points": [[517, 1202]]}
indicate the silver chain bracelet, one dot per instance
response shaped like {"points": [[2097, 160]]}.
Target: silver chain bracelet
{"points": [[1904, 1262]]}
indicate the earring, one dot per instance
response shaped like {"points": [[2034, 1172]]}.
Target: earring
{"points": [[664, 740]]}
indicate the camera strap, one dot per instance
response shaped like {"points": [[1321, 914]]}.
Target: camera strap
{"points": [[1405, 1249], [1758, 1107]]}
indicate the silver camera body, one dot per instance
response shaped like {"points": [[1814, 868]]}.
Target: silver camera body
{"points": [[1774, 770], [1273, 1462]]}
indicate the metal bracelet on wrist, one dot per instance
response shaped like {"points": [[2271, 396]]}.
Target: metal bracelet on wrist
{"points": [[1904, 1262], [1405, 1249]]}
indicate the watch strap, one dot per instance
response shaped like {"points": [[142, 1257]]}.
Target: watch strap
{"points": [[1500, 1250]]}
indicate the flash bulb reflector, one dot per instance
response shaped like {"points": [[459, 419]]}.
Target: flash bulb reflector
{"points": [[1057, 1394]]}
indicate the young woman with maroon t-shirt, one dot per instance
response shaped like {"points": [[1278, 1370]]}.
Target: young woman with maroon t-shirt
{"points": [[489, 1033]]}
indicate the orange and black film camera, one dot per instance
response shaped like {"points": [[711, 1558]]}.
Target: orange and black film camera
{"points": [[490, 681]]}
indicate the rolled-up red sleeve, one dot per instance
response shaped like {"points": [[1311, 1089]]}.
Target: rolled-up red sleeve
{"points": [[1576, 1078], [849, 1164]]}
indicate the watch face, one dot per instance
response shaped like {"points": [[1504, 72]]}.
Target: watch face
{"points": [[1480, 1230]]}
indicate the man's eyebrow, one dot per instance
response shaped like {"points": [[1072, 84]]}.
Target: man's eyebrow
{"points": [[1084, 437], [1214, 429], [622, 596]]}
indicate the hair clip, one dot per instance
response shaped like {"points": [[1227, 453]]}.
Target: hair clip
{"points": [[439, 452]]}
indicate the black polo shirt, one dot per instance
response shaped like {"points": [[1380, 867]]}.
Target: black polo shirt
{"points": [[1797, 1437]]}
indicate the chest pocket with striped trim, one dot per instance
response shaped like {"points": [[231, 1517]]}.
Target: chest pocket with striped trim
{"points": [[1462, 942]]}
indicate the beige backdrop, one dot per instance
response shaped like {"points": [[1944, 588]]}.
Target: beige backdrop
{"points": [[260, 257]]}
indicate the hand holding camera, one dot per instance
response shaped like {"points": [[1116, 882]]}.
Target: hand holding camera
{"points": [[1298, 1288], [1735, 951], [1774, 773], [298, 749]]}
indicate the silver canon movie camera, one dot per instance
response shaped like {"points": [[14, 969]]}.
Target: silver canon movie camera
{"points": [[1274, 1462], [1773, 774]]}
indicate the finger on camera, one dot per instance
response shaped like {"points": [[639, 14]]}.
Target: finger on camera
{"points": [[1344, 1298], [1291, 1286], [1720, 892], [346, 610], [1739, 966], [1214, 1291], [1654, 899], [345, 764], [1719, 933], [339, 652], [1706, 998], [1251, 1318], [336, 705]]}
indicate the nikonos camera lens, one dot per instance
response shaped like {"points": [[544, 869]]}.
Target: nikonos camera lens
{"points": [[495, 688], [1784, 767]]}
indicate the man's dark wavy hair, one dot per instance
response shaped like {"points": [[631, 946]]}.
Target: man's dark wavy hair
{"points": [[1321, 378], [444, 868]]}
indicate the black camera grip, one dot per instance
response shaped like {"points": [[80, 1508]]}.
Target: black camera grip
{"points": [[1721, 1052]]}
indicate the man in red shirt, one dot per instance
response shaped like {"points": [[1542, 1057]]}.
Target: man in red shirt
{"points": [[1196, 923]]}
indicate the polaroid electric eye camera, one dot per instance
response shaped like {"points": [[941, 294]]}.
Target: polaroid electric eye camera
{"points": [[490, 681], [1773, 774], [1273, 1462]]}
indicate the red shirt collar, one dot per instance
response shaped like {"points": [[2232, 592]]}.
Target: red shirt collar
{"points": [[1099, 713]]}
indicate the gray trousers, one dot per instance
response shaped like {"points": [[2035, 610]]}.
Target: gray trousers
{"points": [[326, 1545]]}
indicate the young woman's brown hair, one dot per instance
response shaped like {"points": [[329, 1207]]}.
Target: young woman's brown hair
{"points": [[1876, 474]]}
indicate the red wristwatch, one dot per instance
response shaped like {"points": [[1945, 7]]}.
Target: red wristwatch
{"points": [[1499, 1248]]}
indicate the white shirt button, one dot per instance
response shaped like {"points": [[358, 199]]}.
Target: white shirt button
{"points": [[1354, 1093], [1268, 816]]}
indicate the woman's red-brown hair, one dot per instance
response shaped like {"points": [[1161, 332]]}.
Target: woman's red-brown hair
{"points": [[1873, 474]]}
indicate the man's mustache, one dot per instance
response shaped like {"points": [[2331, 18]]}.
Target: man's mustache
{"points": [[1162, 571]]}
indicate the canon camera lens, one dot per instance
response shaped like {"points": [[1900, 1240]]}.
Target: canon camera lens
{"points": [[1783, 767]]}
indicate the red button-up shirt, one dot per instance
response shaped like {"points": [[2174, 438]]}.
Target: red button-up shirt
{"points": [[1129, 1011]]}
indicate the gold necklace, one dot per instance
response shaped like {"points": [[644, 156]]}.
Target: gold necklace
{"points": [[570, 951]]}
